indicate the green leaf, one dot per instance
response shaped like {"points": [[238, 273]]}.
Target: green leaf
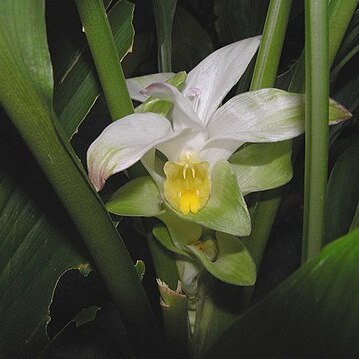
{"points": [[86, 315], [26, 95], [79, 88], [190, 42], [342, 193], [139, 197], [226, 210], [313, 313], [349, 46], [262, 166], [233, 265], [38, 244]]}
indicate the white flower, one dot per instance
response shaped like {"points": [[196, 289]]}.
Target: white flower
{"points": [[199, 134]]}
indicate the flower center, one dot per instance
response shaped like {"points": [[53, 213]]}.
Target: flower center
{"points": [[188, 186]]}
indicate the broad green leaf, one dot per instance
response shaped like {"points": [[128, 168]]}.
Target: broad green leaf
{"points": [[26, 95], [262, 166], [37, 241], [226, 210], [233, 265], [164, 12], [86, 315], [342, 193], [139, 197], [79, 88], [314, 313], [190, 42], [355, 223], [38, 244]]}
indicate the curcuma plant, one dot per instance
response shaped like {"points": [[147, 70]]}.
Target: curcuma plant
{"points": [[205, 141], [189, 156]]}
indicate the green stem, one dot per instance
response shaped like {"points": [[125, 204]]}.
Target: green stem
{"points": [[103, 49], [316, 125], [264, 75], [266, 67]]}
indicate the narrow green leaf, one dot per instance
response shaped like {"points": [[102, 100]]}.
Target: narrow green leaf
{"points": [[262, 166], [314, 312], [349, 47], [342, 193]]}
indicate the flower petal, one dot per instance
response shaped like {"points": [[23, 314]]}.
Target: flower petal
{"points": [[136, 84], [218, 73], [267, 115], [187, 141], [124, 142], [220, 149], [183, 113]]}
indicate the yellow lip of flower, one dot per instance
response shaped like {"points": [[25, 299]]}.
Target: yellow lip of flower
{"points": [[188, 185]]}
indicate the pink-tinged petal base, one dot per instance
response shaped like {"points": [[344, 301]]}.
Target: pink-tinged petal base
{"points": [[124, 142]]}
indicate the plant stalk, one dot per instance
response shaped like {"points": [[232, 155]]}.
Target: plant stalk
{"points": [[103, 49], [270, 50], [316, 125]]}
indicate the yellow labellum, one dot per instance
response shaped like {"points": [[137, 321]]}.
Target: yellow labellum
{"points": [[188, 186]]}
